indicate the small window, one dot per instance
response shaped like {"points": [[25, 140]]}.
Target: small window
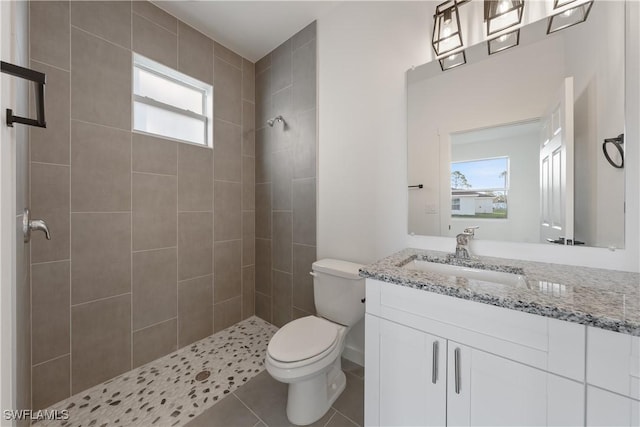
{"points": [[171, 104], [455, 204]]}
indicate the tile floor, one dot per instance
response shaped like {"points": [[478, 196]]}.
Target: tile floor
{"points": [[238, 392], [262, 402]]}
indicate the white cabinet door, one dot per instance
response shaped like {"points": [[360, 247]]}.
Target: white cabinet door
{"points": [[609, 409], [484, 389], [412, 377]]}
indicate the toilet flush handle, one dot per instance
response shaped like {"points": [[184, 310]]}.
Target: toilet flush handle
{"points": [[313, 273]]}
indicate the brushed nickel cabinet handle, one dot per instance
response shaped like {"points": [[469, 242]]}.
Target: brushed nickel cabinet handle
{"points": [[434, 366], [456, 356]]}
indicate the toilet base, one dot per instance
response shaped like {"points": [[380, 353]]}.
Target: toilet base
{"points": [[310, 399]]}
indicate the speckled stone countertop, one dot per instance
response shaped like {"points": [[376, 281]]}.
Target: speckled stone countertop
{"points": [[606, 299]]}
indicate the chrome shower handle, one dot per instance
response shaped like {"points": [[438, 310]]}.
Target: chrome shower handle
{"points": [[29, 225]]}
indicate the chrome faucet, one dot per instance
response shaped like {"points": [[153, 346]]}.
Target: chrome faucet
{"points": [[462, 242]]}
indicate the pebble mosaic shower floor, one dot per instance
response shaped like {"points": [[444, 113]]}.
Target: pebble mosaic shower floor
{"points": [[165, 392]]}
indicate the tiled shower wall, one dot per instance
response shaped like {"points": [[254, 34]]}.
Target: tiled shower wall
{"points": [[152, 240], [286, 179]]}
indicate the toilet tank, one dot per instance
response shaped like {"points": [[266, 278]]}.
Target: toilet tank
{"points": [[338, 291]]}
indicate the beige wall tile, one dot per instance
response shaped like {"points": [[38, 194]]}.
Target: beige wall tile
{"points": [[227, 270], [227, 55], [248, 291], [195, 244], [297, 313], [195, 53], [195, 178], [100, 168], [303, 258], [248, 80], [155, 223], [282, 250], [101, 341], [154, 41], [304, 36], [100, 81], [101, 255], [304, 77], [248, 183], [154, 155], [263, 306], [50, 201], [263, 211], [227, 210], [263, 266], [281, 298], [155, 14], [50, 289], [304, 211], [304, 147], [50, 382], [248, 237], [227, 313], [227, 151], [228, 86], [263, 64], [264, 108], [264, 145], [51, 144], [282, 172], [154, 342], [283, 137], [154, 287], [107, 19], [195, 310], [281, 66], [248, 129], [49, 32]]}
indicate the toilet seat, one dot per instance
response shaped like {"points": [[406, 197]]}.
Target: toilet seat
{"points": [[303, 341]]}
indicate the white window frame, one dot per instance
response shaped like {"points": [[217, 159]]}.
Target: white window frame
{"points": [[181, 79]]}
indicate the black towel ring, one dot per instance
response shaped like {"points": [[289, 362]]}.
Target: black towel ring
{"points": [[617, 142]]}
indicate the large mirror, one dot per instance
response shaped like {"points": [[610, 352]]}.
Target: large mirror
{"points": [[513, 142]]}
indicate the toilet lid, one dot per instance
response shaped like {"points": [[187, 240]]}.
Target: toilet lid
{"points": [[303, 338]]}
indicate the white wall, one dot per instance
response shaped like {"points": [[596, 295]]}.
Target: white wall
{"points": [[364, 50]]}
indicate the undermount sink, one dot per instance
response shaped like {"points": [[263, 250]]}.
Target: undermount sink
{"points": [[509, 279]]}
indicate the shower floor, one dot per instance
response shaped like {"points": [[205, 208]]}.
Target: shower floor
{"points": [[165, 392]]}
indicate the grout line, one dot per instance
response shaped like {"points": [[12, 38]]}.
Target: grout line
{"points": [[260, 420], [70, 391], [131, 308], [51, 360], [331, 417], [181, 212], [50, 164], [151, 173], [338, 412], [195, 278], [99, 299], [99, 212], [177, 243], [153, 22], [50, 262], [96, 124], [230, 123], [154, 324], [154, 249], [224, 60], [75, 27], [42, 62]]}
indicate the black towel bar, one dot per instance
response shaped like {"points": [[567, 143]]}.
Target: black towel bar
{"points": [[35, 76], [416, 186]]}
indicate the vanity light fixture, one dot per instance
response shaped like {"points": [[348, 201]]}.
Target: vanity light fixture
{"points": [[454, 60], [502, 14], [447, 35], [568, 17], [504, 42]]}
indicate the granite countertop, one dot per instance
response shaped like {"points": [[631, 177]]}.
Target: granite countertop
{"points": [[607, 299]]}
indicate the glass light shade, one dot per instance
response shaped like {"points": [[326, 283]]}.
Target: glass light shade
{"points": [[569, 17], [446, 28], [502, 14], [559, 3], [453, 60], [503, 42]]}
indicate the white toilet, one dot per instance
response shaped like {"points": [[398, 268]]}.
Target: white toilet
{"points": [[305, 353]]}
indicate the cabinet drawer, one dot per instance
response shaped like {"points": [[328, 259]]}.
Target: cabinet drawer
{"points": [[610, 409], [613, 361]]}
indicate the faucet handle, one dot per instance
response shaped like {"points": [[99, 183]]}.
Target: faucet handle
{"points": [[471, 230]]}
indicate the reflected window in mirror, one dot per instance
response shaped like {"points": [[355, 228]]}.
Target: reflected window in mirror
{"points": [[479, 188]]}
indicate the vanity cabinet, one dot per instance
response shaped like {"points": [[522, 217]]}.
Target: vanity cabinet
{"points": [[438, 360]]}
